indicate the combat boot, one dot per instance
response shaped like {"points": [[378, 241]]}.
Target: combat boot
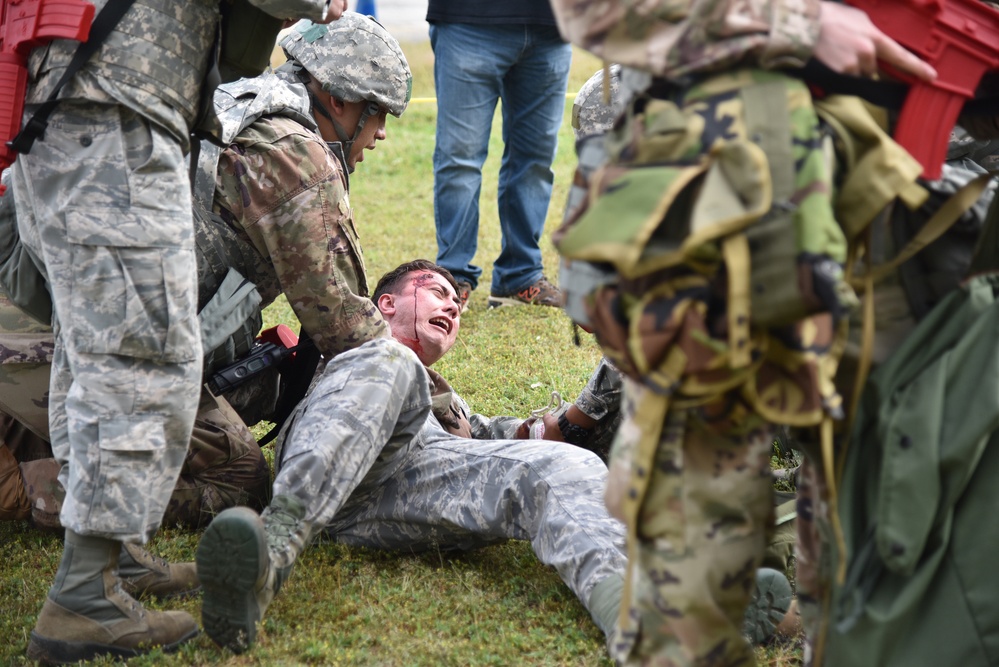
{"points": [[144, 574], [45, 493], [769, 606], [86, 613], [243, 559]]}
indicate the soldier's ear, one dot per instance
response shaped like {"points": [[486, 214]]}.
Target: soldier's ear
{"points": [[386, 304], [337, 106]]}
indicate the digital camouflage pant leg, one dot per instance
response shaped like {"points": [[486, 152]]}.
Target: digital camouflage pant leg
{"points": [[362, 414], [105, 202], [455, 493], [701, 533]]}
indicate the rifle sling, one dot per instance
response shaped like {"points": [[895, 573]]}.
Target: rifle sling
{"points": [[103, 24], [879, 92], [299, 378]]}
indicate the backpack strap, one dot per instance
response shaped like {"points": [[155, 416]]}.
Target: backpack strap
{"points": [[103, 24], [944, 218]]}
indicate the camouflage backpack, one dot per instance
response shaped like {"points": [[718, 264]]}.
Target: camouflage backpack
{"points": [[717, 233]]}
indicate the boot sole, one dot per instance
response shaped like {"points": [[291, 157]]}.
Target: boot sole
{"points": [[56, 652], [231, 561], [770, 602]]}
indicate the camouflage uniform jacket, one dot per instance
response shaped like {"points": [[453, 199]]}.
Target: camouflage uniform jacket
{"points": [[675, 39], [284, 193]]}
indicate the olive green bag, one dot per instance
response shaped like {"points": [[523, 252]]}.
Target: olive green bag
{"points": [[918, 497]]}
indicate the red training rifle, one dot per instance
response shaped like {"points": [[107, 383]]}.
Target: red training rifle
{"points": [[25, 25]]}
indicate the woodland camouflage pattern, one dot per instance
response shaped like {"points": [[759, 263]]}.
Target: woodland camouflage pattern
{"points": [[398, 478]]}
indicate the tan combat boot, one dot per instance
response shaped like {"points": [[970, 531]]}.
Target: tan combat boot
{"points": [[242, 561], [145, 574], [87, 615], [45, 493]]}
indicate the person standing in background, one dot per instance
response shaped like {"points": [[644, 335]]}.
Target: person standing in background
{"points": [[484, 52]]}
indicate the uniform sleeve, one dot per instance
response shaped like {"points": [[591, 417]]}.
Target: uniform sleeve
{"points": [[289, 195], [486, 428], [602, 394], [673, 38], [294, 9], [494, 428]]}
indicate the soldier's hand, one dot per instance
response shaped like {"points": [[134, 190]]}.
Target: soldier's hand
{"points": [[334, 11], [850, 43], [552, 431]]}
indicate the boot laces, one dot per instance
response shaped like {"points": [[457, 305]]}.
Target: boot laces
{"points": [[158, 561], [133, 604], [147, 561]]}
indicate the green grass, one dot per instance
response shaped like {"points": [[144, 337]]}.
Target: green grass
{"points": [[342, 606]]}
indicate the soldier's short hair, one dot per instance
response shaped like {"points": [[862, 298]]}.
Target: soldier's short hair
{"points": [[390, 283]]}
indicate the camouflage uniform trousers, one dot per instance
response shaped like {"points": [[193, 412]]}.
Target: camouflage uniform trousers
{"points": [[224, 466], [395, 479], [104, 202], [701, 534]]}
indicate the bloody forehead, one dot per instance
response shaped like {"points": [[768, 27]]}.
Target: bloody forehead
{"points": [[431, 279], [424, 279]]}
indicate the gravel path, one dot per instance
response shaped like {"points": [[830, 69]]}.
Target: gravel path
{"points": [[405, 19]]}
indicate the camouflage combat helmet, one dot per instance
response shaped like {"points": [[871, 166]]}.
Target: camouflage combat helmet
{"points": [[590, 114], [354, 59]]}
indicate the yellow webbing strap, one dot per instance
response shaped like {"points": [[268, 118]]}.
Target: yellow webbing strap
{"points": [[867, 332], [735, 249], [940, 222], [650, 415], [768, 124], [829, 467]]}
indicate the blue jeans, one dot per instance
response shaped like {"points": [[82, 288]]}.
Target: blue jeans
{"points": [[475, 65]]}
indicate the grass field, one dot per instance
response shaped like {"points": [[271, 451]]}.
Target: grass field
{"points": [[495, 606]]}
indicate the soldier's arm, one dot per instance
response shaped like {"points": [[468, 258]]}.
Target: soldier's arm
{"points": [[497, 428], [320, 11], [676, 37], [850, 44], [281, 185]]}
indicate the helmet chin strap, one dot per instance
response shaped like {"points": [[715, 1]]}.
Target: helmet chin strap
{"points": [[343, 147]]}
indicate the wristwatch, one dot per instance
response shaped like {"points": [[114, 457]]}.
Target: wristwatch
{"points": [[573, 433]]}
